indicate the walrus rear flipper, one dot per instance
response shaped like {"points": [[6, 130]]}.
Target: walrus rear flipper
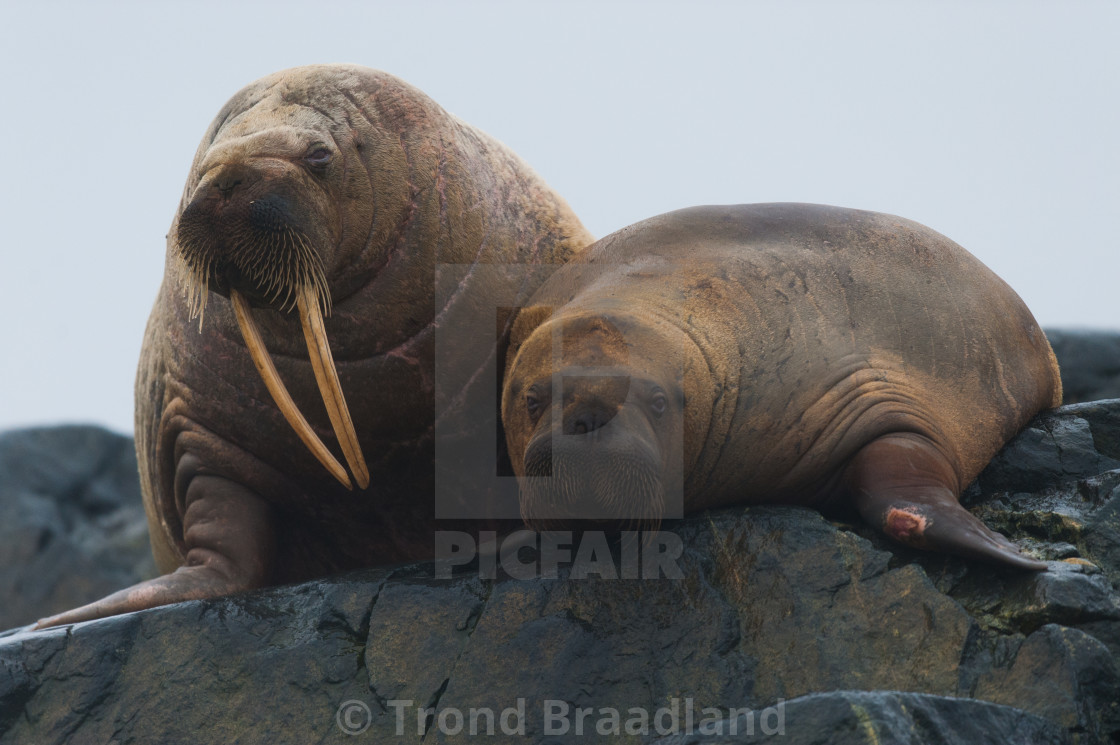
{"points": [[230, 544], [902, 484]]}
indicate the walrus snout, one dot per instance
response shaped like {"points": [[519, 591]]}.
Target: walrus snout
{"points": [[592, 402], [221, 182], [610, 476], [234, 202], [248, 231]]}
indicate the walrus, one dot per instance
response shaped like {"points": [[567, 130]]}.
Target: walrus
{"points": [[298, 302], [772, 353]]}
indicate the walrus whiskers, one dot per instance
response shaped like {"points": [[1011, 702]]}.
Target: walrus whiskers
{"points": [[620, 489], [195, 283]]}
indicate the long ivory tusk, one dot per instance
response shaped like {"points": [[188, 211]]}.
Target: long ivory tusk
{"points": [[279, 393], [326, 376]]}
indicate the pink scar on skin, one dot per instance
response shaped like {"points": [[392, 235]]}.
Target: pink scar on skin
{"points": [[902, 524]]}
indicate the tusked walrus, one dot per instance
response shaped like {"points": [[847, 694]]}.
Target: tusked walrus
{"points": [[299, 301]]}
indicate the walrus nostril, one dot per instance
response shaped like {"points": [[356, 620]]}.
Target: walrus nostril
{"points": [[586, 419], [592, 401], [226, 186]]}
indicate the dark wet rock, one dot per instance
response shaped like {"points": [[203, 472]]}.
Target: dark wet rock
{"points": [[775, 603], [1056, 448], [1070, 593], [1101, 533], [772, 605], [1069, 677], [72, 526], [1090, 363], [875, 717], [1063, 495], [255, 668]]}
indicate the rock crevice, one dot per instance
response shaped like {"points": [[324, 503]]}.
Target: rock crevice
{"points": [[776, 606]]}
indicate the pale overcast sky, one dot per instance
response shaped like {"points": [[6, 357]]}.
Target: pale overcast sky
{"points": [[995, 123]]}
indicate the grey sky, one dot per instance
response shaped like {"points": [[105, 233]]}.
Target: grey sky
{"points": [[994, 123]]}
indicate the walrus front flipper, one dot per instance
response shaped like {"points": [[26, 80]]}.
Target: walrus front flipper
{"points": [[903, 485], [229, 541]]}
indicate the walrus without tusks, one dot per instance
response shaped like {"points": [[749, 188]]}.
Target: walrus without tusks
{"points": [[777, 353], [298, 305]]}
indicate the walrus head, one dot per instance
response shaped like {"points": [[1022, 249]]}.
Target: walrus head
{"points": [[261, 226], [249, 227], [594, 424]]}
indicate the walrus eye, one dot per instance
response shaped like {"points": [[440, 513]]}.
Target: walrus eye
{"points": [[319, 157], [534, 403], [658, 403]]}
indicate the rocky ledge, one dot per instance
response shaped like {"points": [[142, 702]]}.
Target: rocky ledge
{"points": [[782, 626], [72, 527]]}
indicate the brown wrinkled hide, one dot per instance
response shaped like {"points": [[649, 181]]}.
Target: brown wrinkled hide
{"points": [[410, 187], [798, 334]]}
